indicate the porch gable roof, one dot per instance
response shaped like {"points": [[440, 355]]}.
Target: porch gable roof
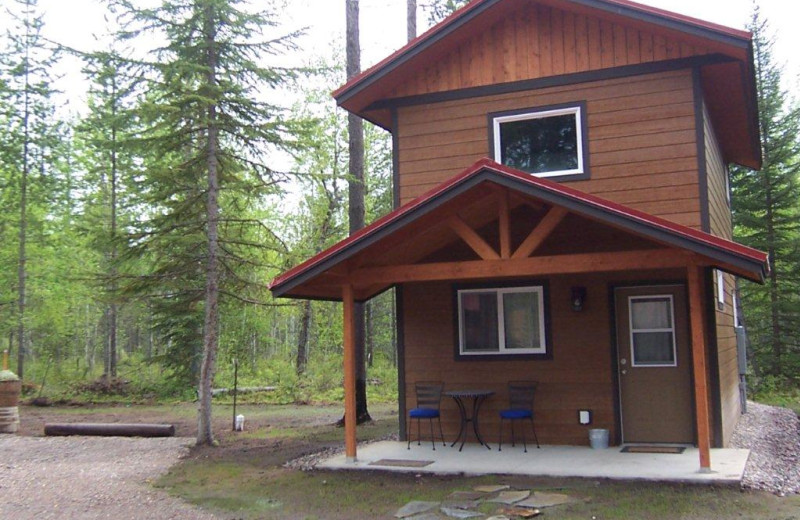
{"points": [[719, 252]]}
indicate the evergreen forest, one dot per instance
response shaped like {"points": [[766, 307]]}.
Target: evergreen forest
{"points": [[138, 234]]}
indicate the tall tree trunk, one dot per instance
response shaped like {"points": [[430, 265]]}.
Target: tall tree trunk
{"points": [[355, 127], [205, 434], [112, 311], [411, 19], [22, 273], [369, 310], [774, 309], [302, 338]]}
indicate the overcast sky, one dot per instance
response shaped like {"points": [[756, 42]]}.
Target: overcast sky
{"points": [[73, 22]]}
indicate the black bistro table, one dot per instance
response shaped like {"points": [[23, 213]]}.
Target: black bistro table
{"points": [[477, 397]]}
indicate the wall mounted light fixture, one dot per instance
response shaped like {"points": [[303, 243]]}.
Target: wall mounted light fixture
{"points": [[584, 417], [578, 298]]}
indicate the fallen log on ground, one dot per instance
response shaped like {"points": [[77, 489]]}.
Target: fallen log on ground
{"points": [[110, 429]]}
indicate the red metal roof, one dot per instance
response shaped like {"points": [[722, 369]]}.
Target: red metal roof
{"points": [[585, 200], [421, 40]]}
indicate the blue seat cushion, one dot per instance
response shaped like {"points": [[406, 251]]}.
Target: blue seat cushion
{"points": [[423, 413], [516, 413]]}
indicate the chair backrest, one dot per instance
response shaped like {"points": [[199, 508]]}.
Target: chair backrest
{"points": [[521, 394], [429, 394]]}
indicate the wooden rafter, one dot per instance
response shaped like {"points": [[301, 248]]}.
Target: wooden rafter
{"points": [[504, 224], [535, 266], [540, 232], [472, 238]]}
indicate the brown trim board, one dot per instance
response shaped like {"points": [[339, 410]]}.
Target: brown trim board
{"points": [[713, 360], [395, 159], [700, 141]]}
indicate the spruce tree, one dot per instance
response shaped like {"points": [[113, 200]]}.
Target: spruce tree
{"points": [[765, 210], [208, 136]]}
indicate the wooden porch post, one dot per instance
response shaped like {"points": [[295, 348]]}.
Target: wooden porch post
{"points": [[699, 366], [349, 374]]}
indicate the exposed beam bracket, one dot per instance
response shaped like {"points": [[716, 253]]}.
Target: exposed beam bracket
{"points": [[472, 238], [505, 224], [540, 232]]}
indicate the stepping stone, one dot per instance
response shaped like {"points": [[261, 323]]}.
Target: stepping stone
{"points": [[424, 516], [542, 499], [454, 512], [490, 488], [510, 497], [463, 499], [414, 508]]}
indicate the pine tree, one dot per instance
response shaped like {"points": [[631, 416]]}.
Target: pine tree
{"points": [[438, 10], [765, 209], [110, 173], [28, 121], [208, 134]]}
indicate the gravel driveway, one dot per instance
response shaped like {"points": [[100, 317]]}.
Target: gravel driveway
{"points": [[89, 477]]}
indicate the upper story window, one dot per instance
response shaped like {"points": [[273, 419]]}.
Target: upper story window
{"points": [[547, 142]]}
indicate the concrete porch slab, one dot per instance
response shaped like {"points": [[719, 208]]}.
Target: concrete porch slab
{"points": [[727, 465]]}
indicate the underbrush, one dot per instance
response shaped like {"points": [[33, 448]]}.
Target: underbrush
{"points": [[777, 392], [141, 381]]}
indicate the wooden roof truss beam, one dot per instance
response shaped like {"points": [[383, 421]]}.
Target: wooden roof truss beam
{"points": [[540, 232]]}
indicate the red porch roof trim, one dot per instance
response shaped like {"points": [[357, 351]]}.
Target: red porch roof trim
{"points": [[636, 221], [671, 20]]}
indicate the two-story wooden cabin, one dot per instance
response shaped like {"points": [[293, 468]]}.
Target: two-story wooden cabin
{"points": [[563, 215]]}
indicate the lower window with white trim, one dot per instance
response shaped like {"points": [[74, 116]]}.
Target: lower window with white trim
{"points": [[499, 321]]}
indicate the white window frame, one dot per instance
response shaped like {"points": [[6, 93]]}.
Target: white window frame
{"points": [[720, 290], [631, 299], [501, 332], [542, 114]]}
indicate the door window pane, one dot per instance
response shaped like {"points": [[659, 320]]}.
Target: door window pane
{"points": [[479, 322], [521, 317], [651, 313], [652, 331], [653, 348]]}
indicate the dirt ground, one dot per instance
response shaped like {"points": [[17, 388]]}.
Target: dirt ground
{"points": [[115, 477], [245, 477]]}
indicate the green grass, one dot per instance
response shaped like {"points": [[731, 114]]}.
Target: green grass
{"points": [[245, 478], [250, 492], [786, 397]]}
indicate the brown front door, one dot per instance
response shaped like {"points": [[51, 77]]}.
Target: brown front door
{"points": [[653, 364]]}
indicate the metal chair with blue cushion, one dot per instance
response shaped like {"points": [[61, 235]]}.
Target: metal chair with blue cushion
{"points": [[520, 407], [429, 397]]}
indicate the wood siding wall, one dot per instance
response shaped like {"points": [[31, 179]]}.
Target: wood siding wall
{"points": [[642, 149], [579, 376], [721, 225], [540, 41]]}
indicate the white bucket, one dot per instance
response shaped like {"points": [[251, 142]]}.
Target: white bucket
{"points": [[239, 423], [598, 438]]}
